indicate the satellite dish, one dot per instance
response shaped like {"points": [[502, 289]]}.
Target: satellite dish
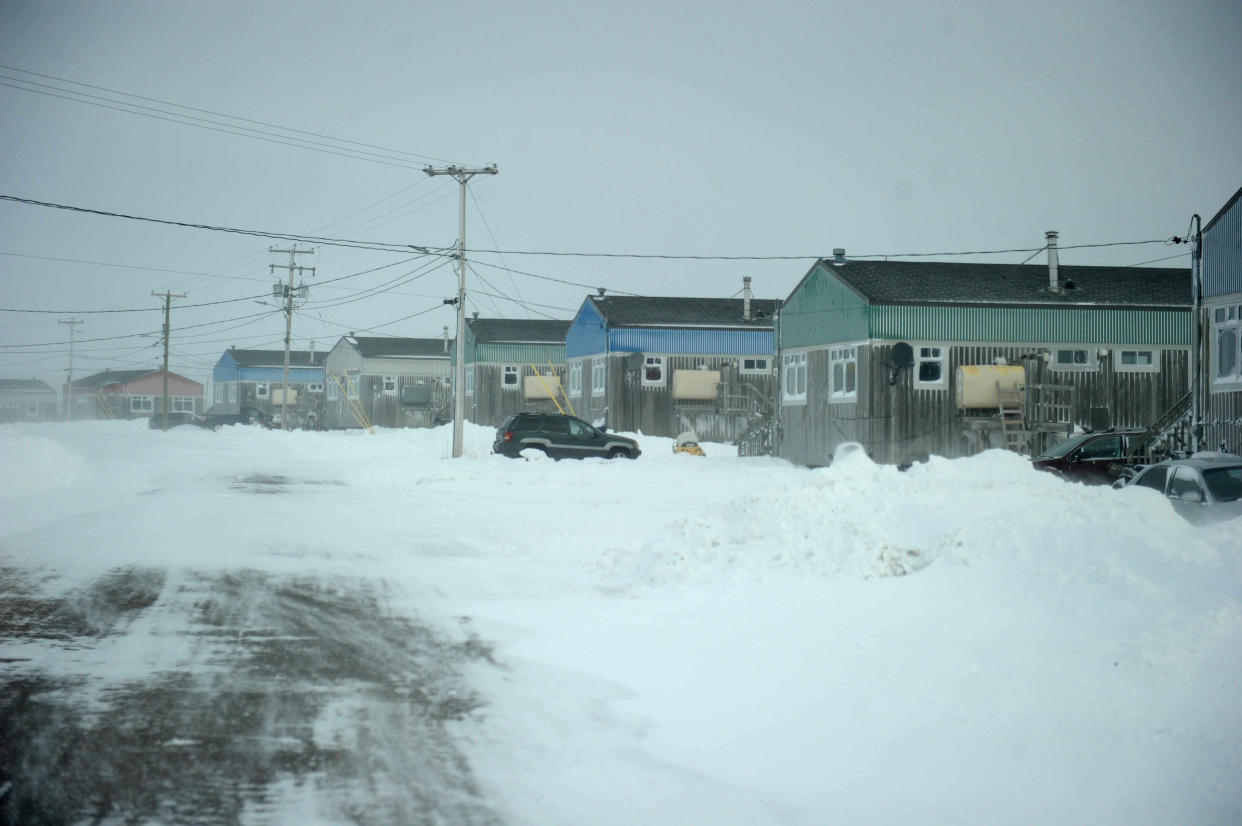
{"points": [[903, 355]]}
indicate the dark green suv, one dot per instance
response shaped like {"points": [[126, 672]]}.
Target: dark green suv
{"points": [[561, 437]]}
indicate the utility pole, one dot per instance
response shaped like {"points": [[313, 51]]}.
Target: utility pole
{"points": [[462, 176], [1196, 339], [168, 297], [288, 295], [73, 323]]}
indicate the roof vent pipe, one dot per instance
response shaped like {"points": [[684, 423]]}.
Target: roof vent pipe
{"points": [[312, 352], [838, 255], [1054, 282], [746, 298], [446, 338]]}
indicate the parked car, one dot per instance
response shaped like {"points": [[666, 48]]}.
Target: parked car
{"points": [[1207, 487], [1096, 458], [246, 415], [561, 437], [175, 418]]}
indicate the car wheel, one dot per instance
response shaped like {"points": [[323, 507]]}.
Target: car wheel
{"points": [[618, 453]]}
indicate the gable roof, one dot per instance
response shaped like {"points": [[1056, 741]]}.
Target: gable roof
{"points": [[392, 347], [24, 386], [275, 358], [107, 377], [1220, 213], [934, 282], [518, 330], [654, 311]]}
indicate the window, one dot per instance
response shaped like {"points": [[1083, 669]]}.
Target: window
{"points": [[217, 393], [1185, 480], [334, 389], [1136, 361], [1226, 346], [390, 385], [314, 387], [230, 392], [182, 404], [653, 371], [793, 378], [509, 378], [1083, 360], [599, 375], [1154, 478], [141, 404], [575, 378], [843, 372], [1106, 447], [470, 380], [260, 390], [930, 369], [754, 365], [32, 408]]}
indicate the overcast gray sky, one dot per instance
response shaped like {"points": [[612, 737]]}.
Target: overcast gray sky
{"points": [[674, 128]]}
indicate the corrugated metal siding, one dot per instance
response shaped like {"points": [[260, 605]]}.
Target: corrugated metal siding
{"points": [[587, 335], [693, 342], [539, 354], [297, 375], [997, 324], [1222, 254], [441, 367], [820, 310]]}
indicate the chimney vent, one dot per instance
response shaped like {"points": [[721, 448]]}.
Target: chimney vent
{"points": [[600, 290], [746, 298], [838, 255], [1054, 281], [446, 339]]}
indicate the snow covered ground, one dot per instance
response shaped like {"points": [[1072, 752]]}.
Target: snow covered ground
{"points": [[347, 628]]}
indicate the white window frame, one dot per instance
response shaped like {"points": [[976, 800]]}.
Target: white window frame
{"points": [[511, 371], [931, 354], [1225, 318], [141, 404], [261, 390], [333, 389], [389, 385], [759, 365], [575, 378], [793, 377], [230, 392], [1121, 353], [1091, 365], [845, 356], [314, 387], [653, 362], [599, 377], [182, 404], [470, 368], [32, 408]]}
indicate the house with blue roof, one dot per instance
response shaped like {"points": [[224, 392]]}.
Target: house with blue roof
{"points": [[663, 366], [914, 358]]}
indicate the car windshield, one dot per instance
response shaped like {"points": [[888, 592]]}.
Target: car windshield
{"points": [[1225, 483], [1064, 448]]}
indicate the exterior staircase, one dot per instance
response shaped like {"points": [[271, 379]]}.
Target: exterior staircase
{"points": [[759, 438], [1167, 436]]}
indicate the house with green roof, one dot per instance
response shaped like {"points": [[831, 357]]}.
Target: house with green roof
{"points": [[513, 365], [1222, 308], [911, 358], [664, 365], [388, 382]]}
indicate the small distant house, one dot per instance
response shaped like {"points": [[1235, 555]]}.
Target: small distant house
{"points": [[917, 358], [664, 366], [388, 382], [131, 394], [255, 378], [1222, 306], [26, 400], [513, 365]]}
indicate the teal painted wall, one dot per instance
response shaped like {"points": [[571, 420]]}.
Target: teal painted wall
{"points": [[822, 310]]}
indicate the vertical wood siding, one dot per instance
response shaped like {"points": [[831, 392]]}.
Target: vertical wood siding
{"points": [[898, 424], [491, 401]]}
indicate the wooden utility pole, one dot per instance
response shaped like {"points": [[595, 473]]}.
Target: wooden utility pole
{"points": [[462, 176], [73, 323], [168, 297], [288, 295]]}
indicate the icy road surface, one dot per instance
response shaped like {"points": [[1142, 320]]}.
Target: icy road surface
{"points": [[254, 627]]}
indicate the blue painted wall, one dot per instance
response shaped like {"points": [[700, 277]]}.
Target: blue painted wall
{"points": [[587, 335]]}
